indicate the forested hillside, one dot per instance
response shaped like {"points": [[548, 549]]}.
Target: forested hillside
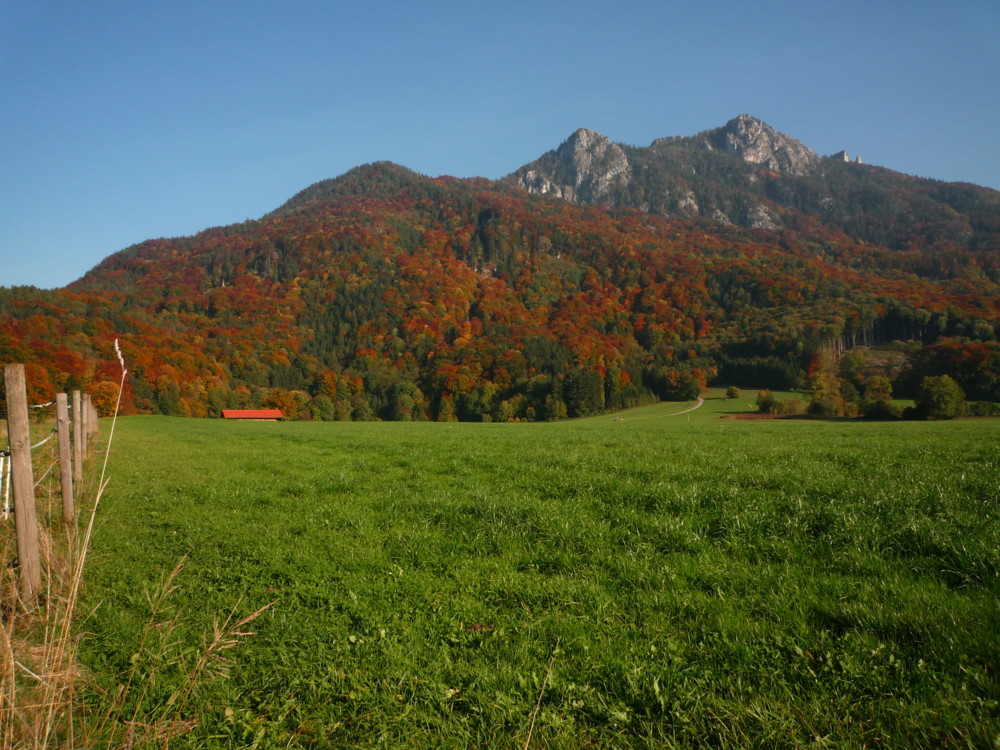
{"points": [[387, 294]]}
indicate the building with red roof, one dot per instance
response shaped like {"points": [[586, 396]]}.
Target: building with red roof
{"points": [[254, 415]]}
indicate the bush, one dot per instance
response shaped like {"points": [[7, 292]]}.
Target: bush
{"points": [[790, 406], [766, 402], [732, 392], [826, 407], [939, 398], [984, 409], [849, 393], [879, 408]]}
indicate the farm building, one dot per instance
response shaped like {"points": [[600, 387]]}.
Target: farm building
{"points": [[253, 415]]}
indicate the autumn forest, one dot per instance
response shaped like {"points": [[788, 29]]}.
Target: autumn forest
{"points": [[384, 294]]}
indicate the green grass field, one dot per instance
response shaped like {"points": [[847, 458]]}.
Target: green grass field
{"points": [[658, 581]]}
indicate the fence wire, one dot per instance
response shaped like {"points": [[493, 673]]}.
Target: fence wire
{"points": [[5, 484], [42, 477], [43, 442], [6, 507], [5, 470], [3, 406]]}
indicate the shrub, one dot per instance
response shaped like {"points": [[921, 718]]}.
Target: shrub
{"points": [[984, 409], [766, 402], [826, 407], [790, 406], [879, 408], [939, 398]]}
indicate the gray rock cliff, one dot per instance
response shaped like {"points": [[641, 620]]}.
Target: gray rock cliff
{"points": [[586, 168], [758, 143]]}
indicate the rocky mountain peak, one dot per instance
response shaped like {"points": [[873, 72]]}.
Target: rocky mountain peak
{"points": [[756, 142], [586, 168], [748, 174], [585, 144]]}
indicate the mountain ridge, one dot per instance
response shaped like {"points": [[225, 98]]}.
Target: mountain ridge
{"points": [[748, 173], [384, 293]]}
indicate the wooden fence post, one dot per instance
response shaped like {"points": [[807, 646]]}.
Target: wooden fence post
{"points": [[88, 424], [25, 523], [77, 437], [65, 457], [84, 428]]}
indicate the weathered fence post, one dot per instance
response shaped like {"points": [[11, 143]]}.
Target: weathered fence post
{"points": [[25, 523], [89, 423], [77, 437], [65, 457], [84, 428]]}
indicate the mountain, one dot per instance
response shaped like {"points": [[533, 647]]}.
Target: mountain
{"points": [[388, 294], [749, 174]]}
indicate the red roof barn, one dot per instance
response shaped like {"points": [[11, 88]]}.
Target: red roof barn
{"points": [[256, 415]]}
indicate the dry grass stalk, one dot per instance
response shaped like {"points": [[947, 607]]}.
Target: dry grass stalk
{"points": [[151, 724], [39, 673], [39, 668]]}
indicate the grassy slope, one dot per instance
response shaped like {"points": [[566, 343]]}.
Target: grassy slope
{"points": [[699, 581]]}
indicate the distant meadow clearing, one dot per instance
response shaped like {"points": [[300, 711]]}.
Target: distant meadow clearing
{"points": [[632, 580]]}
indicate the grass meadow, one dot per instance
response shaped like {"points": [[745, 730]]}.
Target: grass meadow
{"points": [[632, 580]]}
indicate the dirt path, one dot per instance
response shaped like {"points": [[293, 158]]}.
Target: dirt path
{"points": [[633, 418], [689, 409]]}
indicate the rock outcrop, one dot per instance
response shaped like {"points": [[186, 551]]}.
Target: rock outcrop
{"points": [[758, 143], [587, 168]]}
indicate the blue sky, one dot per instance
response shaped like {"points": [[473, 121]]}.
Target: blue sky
{"points": [[124, 121]]}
